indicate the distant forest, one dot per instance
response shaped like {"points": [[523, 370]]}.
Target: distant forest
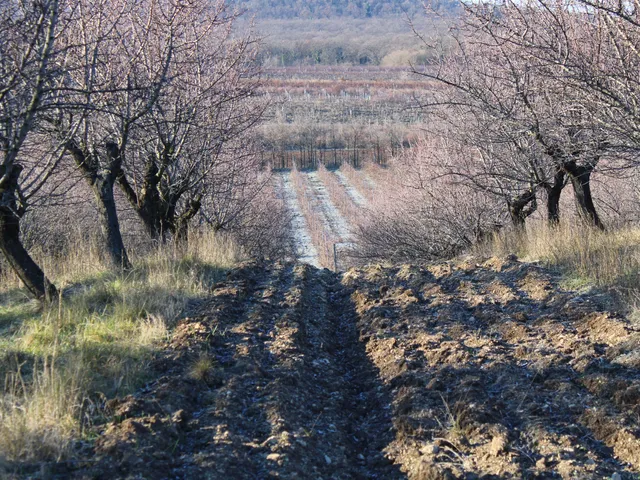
{"points": [[331, 8]]}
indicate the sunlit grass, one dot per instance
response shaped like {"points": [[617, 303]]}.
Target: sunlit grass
{"points": [[95, 342], [586, 256]]}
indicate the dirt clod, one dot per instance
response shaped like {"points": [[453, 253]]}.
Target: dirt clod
{"points": [[498, 445]]}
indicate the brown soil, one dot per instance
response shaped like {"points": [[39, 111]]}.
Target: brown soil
{"points": [[456, 370], [267, 380], [496, 372]]}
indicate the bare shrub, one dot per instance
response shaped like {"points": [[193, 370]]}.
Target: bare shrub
{"points": [[256, 219], [423, 212]]}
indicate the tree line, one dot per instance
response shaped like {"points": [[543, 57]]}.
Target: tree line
{"points": [[155, 99], [337, 8], [533, 101], [537, 96]]}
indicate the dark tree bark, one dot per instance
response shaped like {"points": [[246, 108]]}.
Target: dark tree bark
{"points": [[580, 177], [518, 208], [148, 205], [181, 224], [157, 205], [11, 246], [109, 224], [102, 181], [553, 197]]}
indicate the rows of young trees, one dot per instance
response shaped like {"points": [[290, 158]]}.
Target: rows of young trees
{"points": [[538, 96], [154, 98], [308, 142]]}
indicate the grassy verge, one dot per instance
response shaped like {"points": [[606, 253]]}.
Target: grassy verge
{"points": [[586, 256], [60, 363]]}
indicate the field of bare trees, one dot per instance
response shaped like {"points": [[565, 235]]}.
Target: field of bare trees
{"points": [[335, 114], [182, 134], [363, 246], [142, 107], [525, 117]]}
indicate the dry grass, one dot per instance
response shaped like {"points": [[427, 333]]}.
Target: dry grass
{"points": [[585, 255], [82, 259], [96, 342], [40, 415], [202, 368]]}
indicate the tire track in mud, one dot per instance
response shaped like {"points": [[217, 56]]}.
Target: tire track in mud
{"points": [[266, 379]]}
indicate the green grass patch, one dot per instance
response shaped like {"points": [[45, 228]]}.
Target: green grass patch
{"points": [[95, 342]]}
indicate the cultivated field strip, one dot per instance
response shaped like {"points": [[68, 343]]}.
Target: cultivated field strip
{"points": [[352, 191], [306, 251], [360, 180], [332, 216], [374, 174], [340, 197], [456, 370], [326, 212], [323, 237], [496, 372]]}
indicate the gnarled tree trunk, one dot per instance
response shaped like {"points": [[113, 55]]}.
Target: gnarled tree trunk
{"points": [[102, 187], [102, 180], [11, 246], [181, 224], [580, 177], [553, 197], [148, 205], [518, 208], [157, 208]]}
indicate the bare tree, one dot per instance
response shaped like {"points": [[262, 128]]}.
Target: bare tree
{"points": [[424, 211], [117, 62], [191, 147], [563, 115], [515, 112], [28, 32]]}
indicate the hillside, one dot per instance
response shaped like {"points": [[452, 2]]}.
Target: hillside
{"points": [[450, 370], [335, 8]]}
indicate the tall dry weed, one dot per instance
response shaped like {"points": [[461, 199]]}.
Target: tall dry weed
{"points": [[606, 259]]}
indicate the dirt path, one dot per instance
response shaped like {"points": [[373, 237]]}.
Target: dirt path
{"points": [[306, 251], [268, 380], [456, 370]]}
